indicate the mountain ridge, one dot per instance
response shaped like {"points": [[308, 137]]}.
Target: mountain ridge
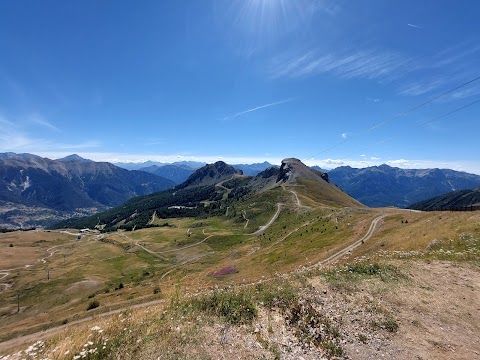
{"points": [[69, 184], [455, 200], [384, 185]]}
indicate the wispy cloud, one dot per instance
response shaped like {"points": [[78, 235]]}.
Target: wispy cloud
{"points": [[154, 141], [457, 65], [40, 120], [414, 26], [415, 88], [413, 75], [369, 64], [256, 109], [83, 145], [344, 135], [14, 137], [454, 54]]}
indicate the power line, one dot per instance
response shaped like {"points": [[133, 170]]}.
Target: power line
{"points": [[423, 104], [417, 126], [416, 107]]}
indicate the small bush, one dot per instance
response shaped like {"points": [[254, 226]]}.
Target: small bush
{"points": [[156, 290], [94, 304], [281, 295], [362, 338], [235, 308], [389, 324], [332, 348], [312, 326], [120, 286]]}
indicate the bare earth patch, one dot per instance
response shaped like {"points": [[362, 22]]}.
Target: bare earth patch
{"points": [[84, 285], [440, 314]]}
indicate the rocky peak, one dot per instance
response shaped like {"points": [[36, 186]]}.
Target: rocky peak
{"points": [[292, 168], [210, 174], [74, 157]]}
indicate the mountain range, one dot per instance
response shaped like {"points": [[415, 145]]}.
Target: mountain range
{"points": [[175, 173], [146, 164], [36, 191], [214, 188], [178, 172], [383, 185], [374, 186], [67, 185]]}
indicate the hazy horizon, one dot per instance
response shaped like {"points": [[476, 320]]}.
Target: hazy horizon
{"points": [[327, 164]]}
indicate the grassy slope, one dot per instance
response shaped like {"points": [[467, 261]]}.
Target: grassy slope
{"points": [[186, 252], [376, 308], [189, 253]]}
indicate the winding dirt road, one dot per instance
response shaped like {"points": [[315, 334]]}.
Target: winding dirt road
{"points": [[348, 249], [272, 220]]}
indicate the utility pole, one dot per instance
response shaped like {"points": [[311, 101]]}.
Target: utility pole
{"points": [[63, 259], [48, 274], [18, 303]]}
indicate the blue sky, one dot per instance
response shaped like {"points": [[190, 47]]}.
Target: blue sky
{"points": [[242, 81]]}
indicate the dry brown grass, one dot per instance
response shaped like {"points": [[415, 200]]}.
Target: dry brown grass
{"points": [[411, 231]]}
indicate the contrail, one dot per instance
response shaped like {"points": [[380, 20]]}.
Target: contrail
{"points": [[257, 108]]}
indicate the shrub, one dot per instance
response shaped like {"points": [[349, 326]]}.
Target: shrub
{"points": [[120, 286], [235, 308], [94, 304]]}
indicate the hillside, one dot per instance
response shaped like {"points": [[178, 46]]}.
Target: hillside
{"points": [[315, 283], [455, 200], [389, 186], [210, 190], [210, 174], [68, 185]]}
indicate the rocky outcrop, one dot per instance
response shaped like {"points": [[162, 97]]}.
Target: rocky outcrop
{"points": [[292, 168]]}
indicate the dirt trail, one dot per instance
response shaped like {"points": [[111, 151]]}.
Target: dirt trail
{"points": [[348, 249], [3, 276], [184, 247], [43, 260], [31, 338], [245, 217], [297, 200], [272, 220]]}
